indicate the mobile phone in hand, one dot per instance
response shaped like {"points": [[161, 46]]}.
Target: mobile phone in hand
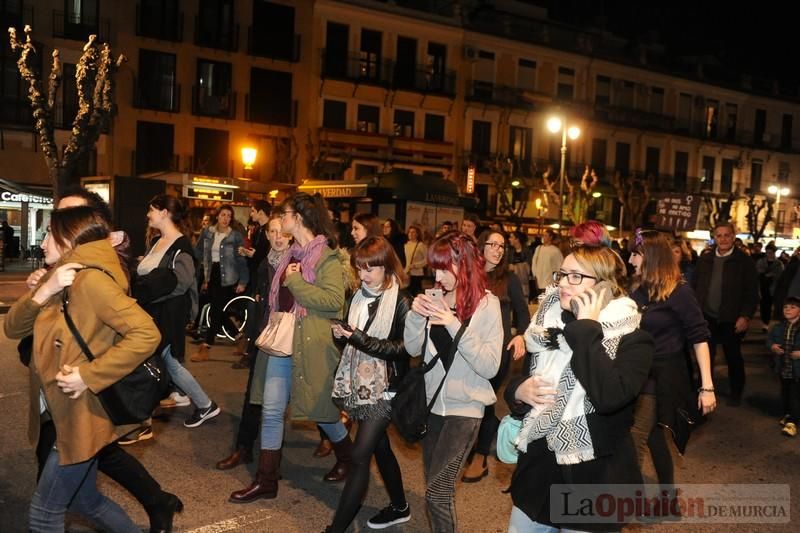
{"points": [[434, 294], [573, 305], [341, 323]]}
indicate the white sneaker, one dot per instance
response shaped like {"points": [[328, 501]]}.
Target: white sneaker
{"points": [[176, 399]]}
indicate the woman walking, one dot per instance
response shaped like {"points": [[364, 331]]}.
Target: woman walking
{"points": [[373, 361], [64, 383], [589, 362], [507, 287], [225, 272], [416, 253], [464, 329], [307, 283]]}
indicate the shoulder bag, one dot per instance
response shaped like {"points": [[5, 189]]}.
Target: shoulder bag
{"points": [[133, 398], [277, 336]]}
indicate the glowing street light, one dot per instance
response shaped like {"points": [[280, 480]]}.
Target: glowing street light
{"points": [[778, 192], [249, 157], [556, 124]]}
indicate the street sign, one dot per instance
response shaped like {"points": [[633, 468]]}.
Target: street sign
{"points": [[677, 212]]}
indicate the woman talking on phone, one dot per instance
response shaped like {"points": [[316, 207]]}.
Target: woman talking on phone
{"points": [[461, 325], [589, 362], [374, 358]]}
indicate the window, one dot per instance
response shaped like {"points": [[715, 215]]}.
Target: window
{"points": [[786, 132], [684, 112], [483, 81], [434, 127], [519, 143], [711, 119], [759, 131], [370, 56], [211, 152], [652, 161], [215, 25], [681, 171], [481, 137], [726, 178], [334, 115], [156, 85], [365, 171], [602, 92], [599, 151], [11, 13], [154, 147], [13, 106], [624, 93], [731, 112], [270, 100], [336, 48], [81, 18], [368, 118], [272, 33], [707, 172], [657, 100], [212, 95], [436, 64], [403, 123], [526, 75], [158, 19], [67, 107], [783, 172], [566, 83], [756, 168], [622, 159], [405, 69]]}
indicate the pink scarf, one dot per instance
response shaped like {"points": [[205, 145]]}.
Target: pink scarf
{"points": [[309, 257]]}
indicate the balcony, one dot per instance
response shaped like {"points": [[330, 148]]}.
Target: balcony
{"points": [[633, 117], [358, 67], [157, 26], [221, 39], [270, 112], [265, 46], [488, 93], [78, 28], [213, 105], [16, 18], [16, 112], [426, 81], [157, 97], [143, 163]]}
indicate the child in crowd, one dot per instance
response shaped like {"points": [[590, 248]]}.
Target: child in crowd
{"points": [[784, 343]]}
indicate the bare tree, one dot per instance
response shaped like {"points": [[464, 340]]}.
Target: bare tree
{"points": [[634, 195], [94, 80], [319, 158], [756, 222], [719, 209]]}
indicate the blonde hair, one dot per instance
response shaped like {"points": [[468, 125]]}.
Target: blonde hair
{"points": [[605, 264]]}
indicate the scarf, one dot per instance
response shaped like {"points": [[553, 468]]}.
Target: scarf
{"points": [[361, 379], [309, 257], [274, 258], [563, 423]]}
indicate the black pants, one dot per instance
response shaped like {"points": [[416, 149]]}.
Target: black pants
{"points": [[114, 462], [202, 296], [371, 439], [766, 302], [490, 422], [250, 424], [724, 333], [218, 296], [790, 398]]}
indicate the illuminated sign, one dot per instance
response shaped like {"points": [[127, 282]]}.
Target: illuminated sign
{"points": [[471, 179], [208, 193], [22, 197], [355, 190]]}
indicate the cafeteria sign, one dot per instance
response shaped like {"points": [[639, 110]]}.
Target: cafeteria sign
{"points": [[677, 212]]}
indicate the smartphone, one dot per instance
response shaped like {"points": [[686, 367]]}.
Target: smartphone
{"points": [[344, 325], [434, 293], [573, 305]]}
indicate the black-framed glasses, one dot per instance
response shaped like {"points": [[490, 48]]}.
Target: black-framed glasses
{"points": [[495, 245], [573, 278]]}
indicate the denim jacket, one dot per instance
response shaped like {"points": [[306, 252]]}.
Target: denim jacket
{"points": [[232, 266], [776, 336]]}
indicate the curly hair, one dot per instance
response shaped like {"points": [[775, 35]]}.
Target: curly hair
{"points": [[458, 249]]}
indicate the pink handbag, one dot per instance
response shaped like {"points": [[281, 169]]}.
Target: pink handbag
{"points": [[277, 336]]}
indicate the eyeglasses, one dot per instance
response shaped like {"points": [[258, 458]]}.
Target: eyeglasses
{"points": [[573, 278], [495, 245], [287, 212]]}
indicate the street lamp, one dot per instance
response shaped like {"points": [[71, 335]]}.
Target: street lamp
{"points": [[556, 124], [778, 192], [248, 160]]}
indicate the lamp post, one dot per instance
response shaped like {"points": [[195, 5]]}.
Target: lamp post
{"points": [[556, 124], [248, 160], [778, 192]]}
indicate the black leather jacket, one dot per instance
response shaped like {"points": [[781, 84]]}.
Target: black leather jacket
{"points": [[392, 349]]}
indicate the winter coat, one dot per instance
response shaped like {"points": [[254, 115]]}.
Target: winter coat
{"points": [[739, 285]]}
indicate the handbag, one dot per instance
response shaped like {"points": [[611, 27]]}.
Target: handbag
{"points": [[277, 336], [410, 407], [507, 434], [133, 398]]}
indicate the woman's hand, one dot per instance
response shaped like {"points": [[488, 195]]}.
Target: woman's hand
{"points": [[795, 354], [292, 268], [35, 277], [339, 331], [517, 344], [589, 304], [70, 382], [706, 401], [64, 276], [240, 288], [440, 313], [536, 391], [776, 349]]}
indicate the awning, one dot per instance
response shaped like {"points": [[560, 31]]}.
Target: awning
{"points": [[11, 191]]}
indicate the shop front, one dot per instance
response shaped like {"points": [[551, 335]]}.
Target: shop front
{"points": [[27, 210]]}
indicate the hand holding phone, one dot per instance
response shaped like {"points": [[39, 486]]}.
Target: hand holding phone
{"points": [[434, 294], [607, 296], [342, 324]]}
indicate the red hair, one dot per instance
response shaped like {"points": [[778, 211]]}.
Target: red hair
{"points": [[456, 248]]}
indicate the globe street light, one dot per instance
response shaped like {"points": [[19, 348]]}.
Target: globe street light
{"points": [[556, 124], [778, 192]]}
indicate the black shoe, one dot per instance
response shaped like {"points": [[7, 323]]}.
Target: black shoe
{"points": [[201, 415], [145, 433], [162, 515], [390, 516]]}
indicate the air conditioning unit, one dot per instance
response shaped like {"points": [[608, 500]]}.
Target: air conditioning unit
{"points": [[470, 53]]}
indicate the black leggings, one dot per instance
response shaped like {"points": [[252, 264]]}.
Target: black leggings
{"points": [[662, 458], [371, 439], [218, 296]]}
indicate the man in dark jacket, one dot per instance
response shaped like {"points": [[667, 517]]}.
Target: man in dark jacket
{"points": [[726, 284]]}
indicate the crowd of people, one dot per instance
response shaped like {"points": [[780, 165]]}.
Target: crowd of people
{"points": [[616, 361]]}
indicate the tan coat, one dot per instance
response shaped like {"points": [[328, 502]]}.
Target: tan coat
{"points": [[119, 333]]}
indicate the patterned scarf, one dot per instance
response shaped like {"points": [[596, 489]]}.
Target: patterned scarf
{"points": [[563, 423], [361, 379], [274, 258], [309, 257]]}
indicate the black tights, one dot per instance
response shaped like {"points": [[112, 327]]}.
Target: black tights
{"points": [[371, 439], [662, 459]]}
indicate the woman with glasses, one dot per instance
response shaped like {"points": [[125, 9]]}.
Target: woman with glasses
{"points": [[463, 328], [589, 361], [670, 312], [308, 283], [507, 287]]}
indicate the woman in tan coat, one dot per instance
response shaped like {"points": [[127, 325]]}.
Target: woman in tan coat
{"points": [[61, 373]]}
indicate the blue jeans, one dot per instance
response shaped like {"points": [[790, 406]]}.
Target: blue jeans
{"points": [[73, 487], [521, 523], [277, 390], [185, 380]]}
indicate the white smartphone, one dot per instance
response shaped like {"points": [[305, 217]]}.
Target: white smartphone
{"points": [[434, 294]]}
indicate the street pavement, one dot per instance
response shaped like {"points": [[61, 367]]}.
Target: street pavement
{"points": [[736, 445]]}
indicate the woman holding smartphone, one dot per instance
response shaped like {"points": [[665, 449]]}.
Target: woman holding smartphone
{"points": [[466, 311], [374, 359], [589, 362]]}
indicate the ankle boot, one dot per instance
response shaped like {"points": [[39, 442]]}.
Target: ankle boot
{"points": [[343, 450], [324, 448], [242, 363], [242, 455], [476, 470], [162, 514], [201, 354], [266, 483]]}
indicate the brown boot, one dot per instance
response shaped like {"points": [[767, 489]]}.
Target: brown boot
{"points": [[266, 483], [324, 448], [240, 348], [243, 362], [240, 456], [343, 450], [477, 469], [201, 354]]}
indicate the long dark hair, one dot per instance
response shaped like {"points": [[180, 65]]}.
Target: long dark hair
{"points": [[313, 214], [497, 278], [74, 226], [460, 249], [176, 210], [371, 223]]}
